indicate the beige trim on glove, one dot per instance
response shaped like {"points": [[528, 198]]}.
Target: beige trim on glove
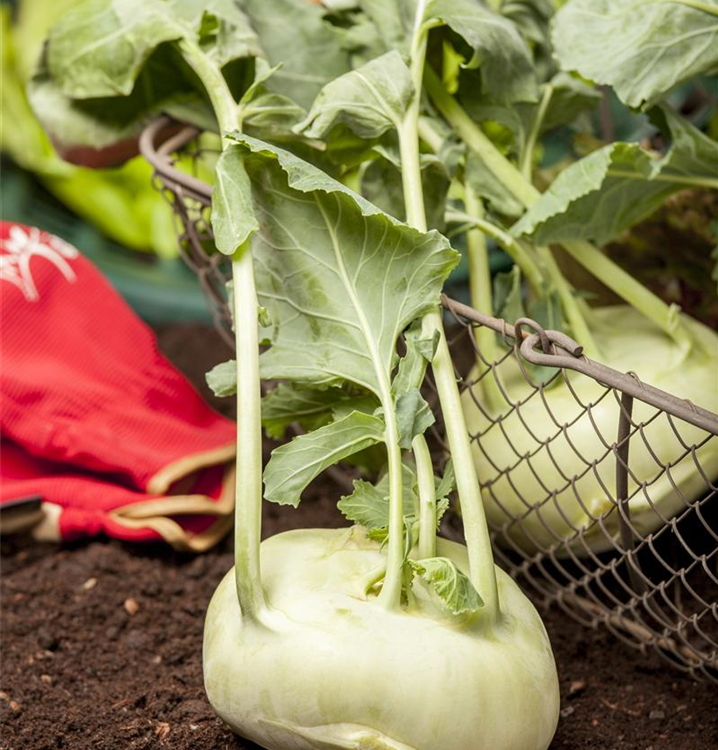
{"points": [[160, 483], [44, 524]]}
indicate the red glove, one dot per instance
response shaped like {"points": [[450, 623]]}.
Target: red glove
{"points": [[78, 503], [84, 385]]}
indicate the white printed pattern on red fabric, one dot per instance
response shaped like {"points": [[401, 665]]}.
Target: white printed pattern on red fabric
{"points": [[18, 249]]}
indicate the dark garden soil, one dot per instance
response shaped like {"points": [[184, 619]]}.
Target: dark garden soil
{"points": [[101, 644]]}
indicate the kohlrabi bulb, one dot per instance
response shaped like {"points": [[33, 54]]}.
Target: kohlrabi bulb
{"points": [[518, 488], [339, 670]]}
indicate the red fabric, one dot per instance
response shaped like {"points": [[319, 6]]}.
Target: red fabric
{"points": [[87, 500], [86, 392]]}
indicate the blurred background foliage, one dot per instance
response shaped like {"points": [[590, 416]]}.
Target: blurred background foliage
{"points": [[117, 218]]}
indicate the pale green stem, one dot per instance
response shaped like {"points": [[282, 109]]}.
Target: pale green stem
{"points": [[626, 287], [710, 9], [602, 267], [502, 169], [577, 321], [476, 531], [248, 500], [482, 299], [390, 595], [481, 561], [518, 253], [527, 156], [223, 103], [429, 135], [427, 497]]}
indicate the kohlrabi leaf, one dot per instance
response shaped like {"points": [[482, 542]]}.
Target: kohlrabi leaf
{"points": [[222, 379], [692, 153], [233, 219], [296, 35], [642, 48], [446, 485], [420, 351], [413, 417], [570, 96], [263, 110], [163, 84], [370, 100], [617, 186], [310, 407], [393, 20], [222, 30], [294, 464], [99, 48], [272, 114], [450, 584], [499, 51], [532, 18], [381, 183], [340, 279], [508, 302], [368, 505], [568, 99], [483, 182]]}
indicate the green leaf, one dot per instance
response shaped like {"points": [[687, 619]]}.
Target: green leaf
{"points": [[571, 96], [222, 29], [340, 279], [499, 198], [370, 100], [264, 111], [446, 485], [449, 583], [420, 351], [413, 417], [508, 303], [393, 20], [293, 465], [296, 35], [611, 189], [499, 51], [310, 407], [585, 202], [222, 378], [643, 48], [532, 18], [99, 48], [368, 505], [233, 218], [381, 183], [692, 153]]}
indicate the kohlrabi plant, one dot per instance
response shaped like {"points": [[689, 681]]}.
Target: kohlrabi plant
{"points": [[498, 77], [378, 635]]}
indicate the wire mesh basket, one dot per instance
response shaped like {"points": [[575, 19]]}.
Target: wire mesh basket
{"points": [[587, 513]]}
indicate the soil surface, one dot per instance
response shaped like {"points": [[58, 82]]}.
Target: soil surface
{"points": [[101, 643]]}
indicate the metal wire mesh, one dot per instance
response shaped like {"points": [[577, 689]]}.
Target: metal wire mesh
{"points": [[601, 491]]}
